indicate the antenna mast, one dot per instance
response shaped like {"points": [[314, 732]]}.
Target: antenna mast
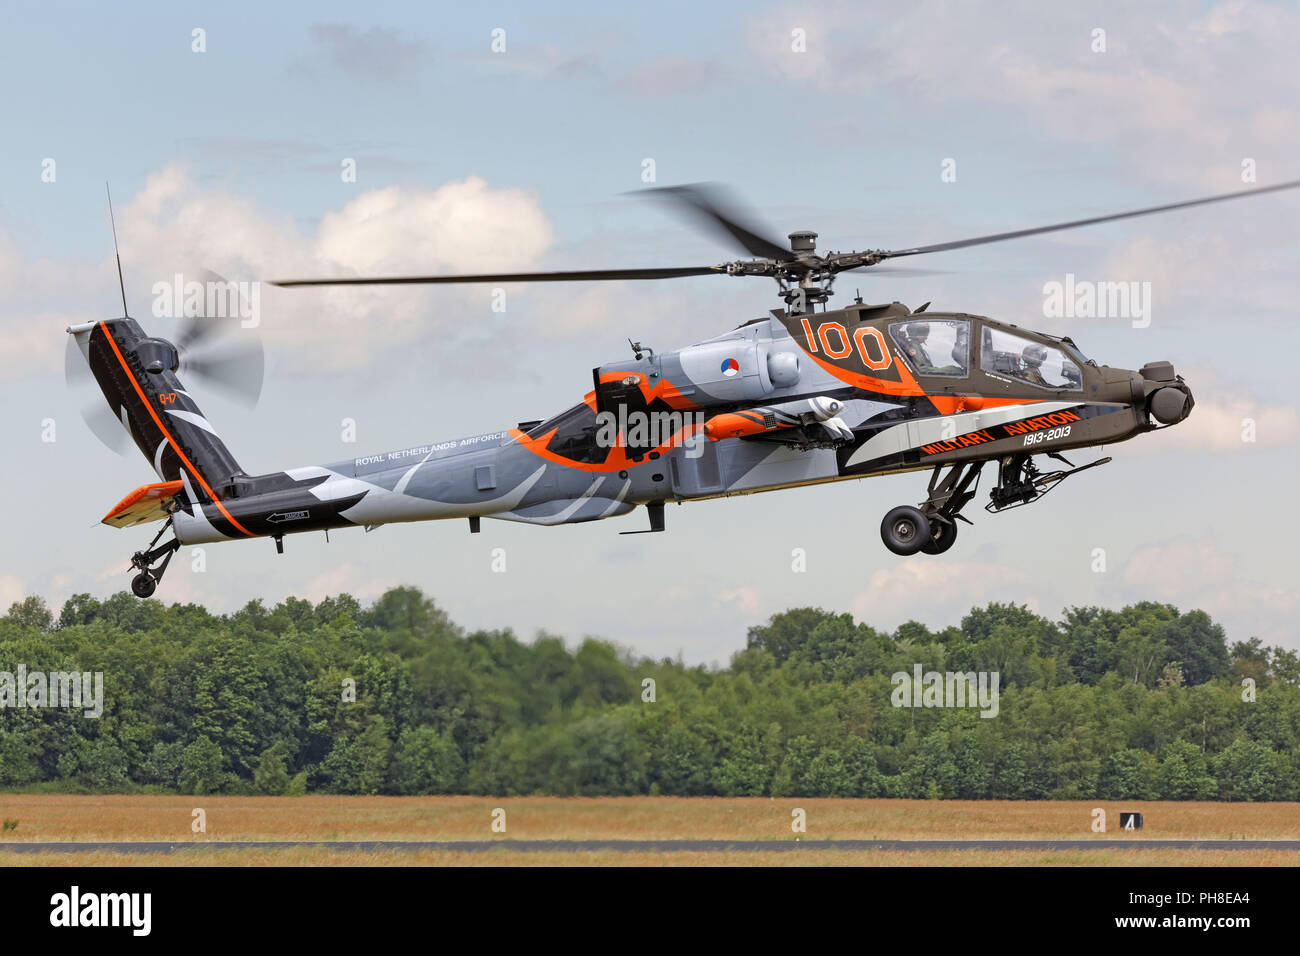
{"points": [[120, 283]]}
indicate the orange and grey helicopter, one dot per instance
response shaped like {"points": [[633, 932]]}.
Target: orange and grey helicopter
{"points": [[796, 397]]}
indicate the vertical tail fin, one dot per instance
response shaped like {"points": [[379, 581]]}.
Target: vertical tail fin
{"points": [[137, 375]]}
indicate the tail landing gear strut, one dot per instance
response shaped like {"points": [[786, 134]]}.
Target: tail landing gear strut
{"points": [[144, 583]]}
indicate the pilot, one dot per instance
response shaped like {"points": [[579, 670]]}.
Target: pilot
{"points": [[1033, 358], [960, 349], [917, 333]]}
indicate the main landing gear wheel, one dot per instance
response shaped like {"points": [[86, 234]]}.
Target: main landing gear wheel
{"points": [[143, 584], [942, 537], [905, 530]]}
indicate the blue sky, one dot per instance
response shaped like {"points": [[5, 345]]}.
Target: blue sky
{"points": [[470, 159]]}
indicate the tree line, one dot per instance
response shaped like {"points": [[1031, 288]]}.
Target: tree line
{"points": [[1140, 703]]}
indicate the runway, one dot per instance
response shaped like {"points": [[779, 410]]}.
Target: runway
{"points": [[649, 846]]}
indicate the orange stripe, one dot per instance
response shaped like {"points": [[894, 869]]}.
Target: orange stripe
{"points": [[175, 447], [616, 459], [951, 404], [663, 389], [906, 385]]}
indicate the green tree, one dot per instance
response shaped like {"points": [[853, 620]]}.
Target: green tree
{"points": [[163, 764], [358, 761], [786, 632], [1128, 775], [201, 767], [742, 771], [1199, 644], [271, 775], [1248, 770], [1184, 774], [827, 775], [425, 761], [18, 764], [681, 762], [31, 612]]}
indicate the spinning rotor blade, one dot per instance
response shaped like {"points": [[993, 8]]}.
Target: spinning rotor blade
{"points": [[1001, 236], [105, 426], [209, 350], [708, 203], [238, 371], [99, 418], [578, 276], [196, 330], [901, 271]]}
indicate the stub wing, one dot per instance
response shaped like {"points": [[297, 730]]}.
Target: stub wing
{"points": [[147, 503]]}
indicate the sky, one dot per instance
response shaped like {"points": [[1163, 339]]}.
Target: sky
{"points": [[879, 126]]}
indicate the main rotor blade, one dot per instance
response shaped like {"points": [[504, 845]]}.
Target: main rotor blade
{"points": [[586, 275], [901, 271], [707, 203], [999, 237]]}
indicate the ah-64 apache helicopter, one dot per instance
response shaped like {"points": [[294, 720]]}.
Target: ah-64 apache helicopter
{"points": [[798, 397]]}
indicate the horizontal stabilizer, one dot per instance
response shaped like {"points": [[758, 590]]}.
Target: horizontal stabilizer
{"points": [[146, 503]]}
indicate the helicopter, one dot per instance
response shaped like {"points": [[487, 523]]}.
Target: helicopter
{"points": [[796, 397]]}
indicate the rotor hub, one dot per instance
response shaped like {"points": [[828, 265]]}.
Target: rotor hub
{"points": [[803, 242]]}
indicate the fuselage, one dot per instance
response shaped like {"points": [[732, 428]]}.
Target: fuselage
{"points": [[782, 401]]}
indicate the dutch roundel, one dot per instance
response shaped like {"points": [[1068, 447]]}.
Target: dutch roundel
{"points": [[730, 367]]}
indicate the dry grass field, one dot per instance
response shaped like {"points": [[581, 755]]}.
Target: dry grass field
{"points": [[320, 856], [44, 818]]}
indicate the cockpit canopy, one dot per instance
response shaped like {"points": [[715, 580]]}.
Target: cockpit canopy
{"points": [[942, 347], [1004, 353]]}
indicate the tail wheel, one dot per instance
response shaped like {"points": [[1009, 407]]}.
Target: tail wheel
{"points": [[905, 530], [942, 537], [143, 584]]}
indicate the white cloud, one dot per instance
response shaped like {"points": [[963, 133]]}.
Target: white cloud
{"points": [[1167, 69], [346, 577], [746, 601], [1222, 418], [174, 225], [1195, 573], [673, 75], [541, 61], [11, 590], [380, 54], [935, 591], [1219, 424], [463, 226]]}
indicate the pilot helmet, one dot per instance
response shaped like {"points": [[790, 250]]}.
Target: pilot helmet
{"points": [[1034, 355]]}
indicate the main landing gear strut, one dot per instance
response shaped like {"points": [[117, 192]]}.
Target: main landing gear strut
{"points": [[932, 528], [144, 583]]}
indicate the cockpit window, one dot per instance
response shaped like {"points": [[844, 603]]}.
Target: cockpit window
{"points": [[1046, 366], [575, 434], [934, 346]]}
